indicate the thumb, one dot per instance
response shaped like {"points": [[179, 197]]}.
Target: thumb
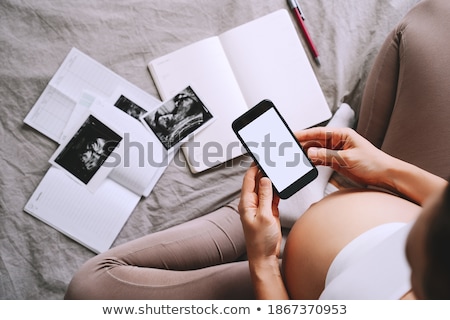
{"points": [[265, 194]]}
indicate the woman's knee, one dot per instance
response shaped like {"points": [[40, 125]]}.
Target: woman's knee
{"points": [[86, 282]]}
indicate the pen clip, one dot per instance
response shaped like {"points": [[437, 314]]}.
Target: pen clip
{"points": [[300, 10], [295, 5]]}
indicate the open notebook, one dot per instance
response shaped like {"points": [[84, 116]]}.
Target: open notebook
{"points": [[232, 72], [82, 87]]}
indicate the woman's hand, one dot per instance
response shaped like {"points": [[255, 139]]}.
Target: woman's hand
{"points": [[258, 208], [346, 152]]}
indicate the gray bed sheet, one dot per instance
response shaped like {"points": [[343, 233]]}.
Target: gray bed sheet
{"points": [[37, 262]]}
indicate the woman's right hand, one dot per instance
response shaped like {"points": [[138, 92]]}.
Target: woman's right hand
{"points": [[346, 152]]}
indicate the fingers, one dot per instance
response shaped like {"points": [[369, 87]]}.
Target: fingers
{"points": [[248, 196], [331, 138], [327, 157], [256, 195], [249, 183], [265, 195], [310, 134]]}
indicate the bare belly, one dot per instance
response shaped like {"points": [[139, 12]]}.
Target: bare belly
{"points": [[327, 227]]}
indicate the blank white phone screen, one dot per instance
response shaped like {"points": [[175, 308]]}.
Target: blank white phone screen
{"points": [[276, 150]]}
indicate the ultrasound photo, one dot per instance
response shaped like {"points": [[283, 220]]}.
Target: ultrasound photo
{"points": [[129, 107], [88, 149], [177, 118]]}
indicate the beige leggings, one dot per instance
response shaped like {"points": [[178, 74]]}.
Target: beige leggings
{"points": [[198, 259], [405, 111], [405, 107]]}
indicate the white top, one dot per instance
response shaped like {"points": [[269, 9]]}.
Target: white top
{"points": [[371, 267]]}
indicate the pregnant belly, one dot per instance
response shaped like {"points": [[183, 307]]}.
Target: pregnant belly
{"points": [[328, 226]]}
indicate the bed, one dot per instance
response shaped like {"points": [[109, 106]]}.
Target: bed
{"points": [[36, 261]]}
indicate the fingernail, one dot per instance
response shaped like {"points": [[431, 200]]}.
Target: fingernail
{"points": [[265, 182], [312, 152]]}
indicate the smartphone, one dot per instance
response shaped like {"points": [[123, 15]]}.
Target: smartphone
{"points": [[280, 157]]}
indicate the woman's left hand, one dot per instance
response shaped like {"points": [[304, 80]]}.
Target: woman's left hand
{"points": [[258, 208]]}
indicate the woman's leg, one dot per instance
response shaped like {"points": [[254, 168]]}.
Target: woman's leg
{"points": [[406, 103], [195, 260]]}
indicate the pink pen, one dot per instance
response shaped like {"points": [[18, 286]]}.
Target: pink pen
{"points": [[300, 17]]}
